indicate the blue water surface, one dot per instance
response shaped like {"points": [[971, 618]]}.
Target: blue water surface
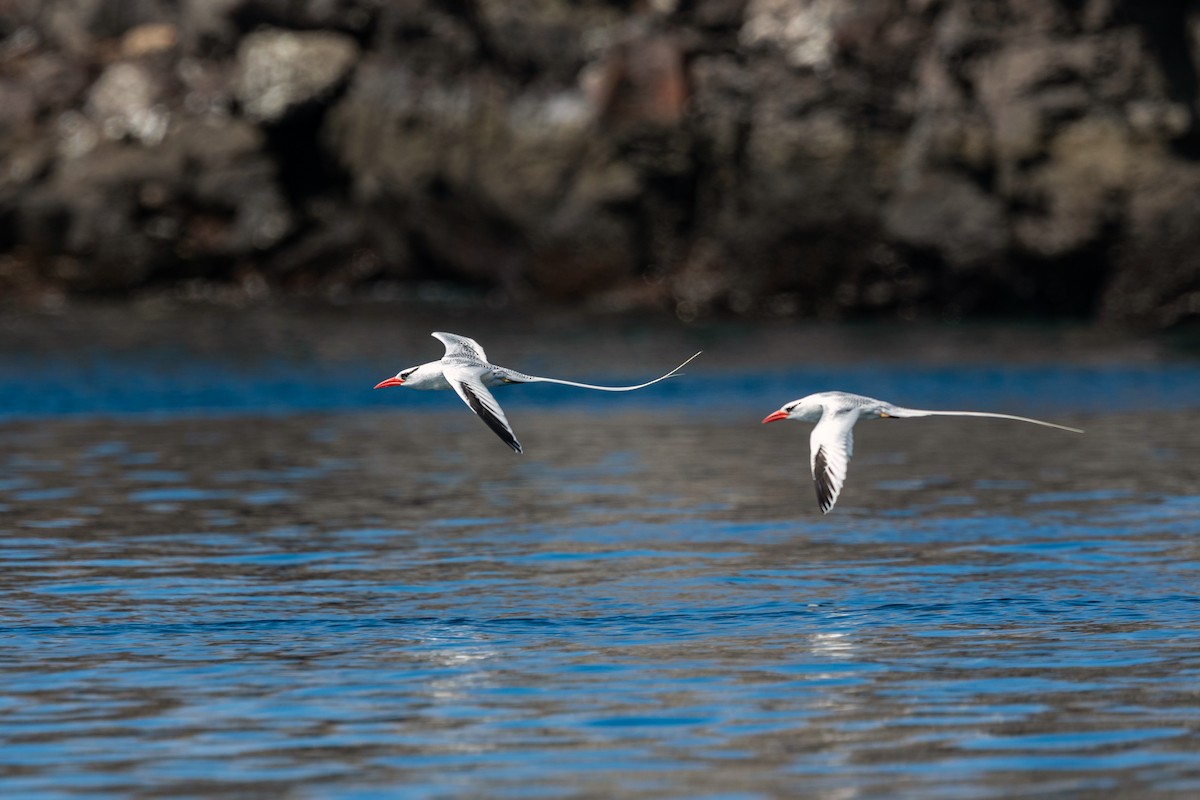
{"points": [[232, 575], [116, 385]]}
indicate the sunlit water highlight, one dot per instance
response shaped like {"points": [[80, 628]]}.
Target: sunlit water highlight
{"points": [[360, 602]]}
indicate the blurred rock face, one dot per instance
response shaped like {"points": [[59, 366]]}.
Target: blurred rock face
{"points": [[895, 157]]}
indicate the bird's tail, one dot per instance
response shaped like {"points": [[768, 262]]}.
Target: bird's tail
{"points": [[521, 378], [896, 411]]}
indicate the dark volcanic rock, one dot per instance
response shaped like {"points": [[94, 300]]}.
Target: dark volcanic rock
{"points": [[826, 157]]}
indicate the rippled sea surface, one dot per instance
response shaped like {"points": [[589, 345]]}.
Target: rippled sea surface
{"points": [[229, 568]]}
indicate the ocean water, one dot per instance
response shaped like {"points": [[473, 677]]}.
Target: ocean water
{"points": [[230, 568]]}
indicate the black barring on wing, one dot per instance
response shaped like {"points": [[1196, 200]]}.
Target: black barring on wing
{"points": [[822, 482], [490, 419]]}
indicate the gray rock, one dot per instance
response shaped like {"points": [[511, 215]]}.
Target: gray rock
{"points": [[1155, 278], [278, 71], [126, 101], [750, 156], [950, 216]]}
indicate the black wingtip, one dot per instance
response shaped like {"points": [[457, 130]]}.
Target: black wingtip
{"points": [[490, 420], [821, 481]]}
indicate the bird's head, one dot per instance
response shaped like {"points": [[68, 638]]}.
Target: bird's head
{"points": [[398, 379], [803, 409]]}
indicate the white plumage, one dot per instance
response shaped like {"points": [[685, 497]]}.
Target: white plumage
{"points": [[832, 441], [465, 369]]}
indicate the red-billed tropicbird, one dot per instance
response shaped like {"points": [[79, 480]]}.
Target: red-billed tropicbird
{"points": [[832, 440], [465, 369]]}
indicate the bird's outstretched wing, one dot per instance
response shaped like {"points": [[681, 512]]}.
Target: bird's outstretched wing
{"points": [[470, 388], [831, 444], [899, 411], [512, 376], [460, 346]]}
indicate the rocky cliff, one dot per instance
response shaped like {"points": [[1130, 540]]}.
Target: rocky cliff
{"points": [[762, 157]]}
